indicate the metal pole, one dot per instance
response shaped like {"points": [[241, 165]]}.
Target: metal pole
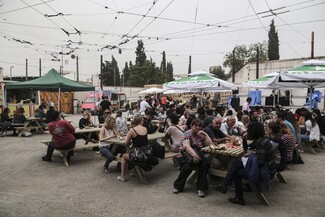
{"points": [[77, 68], [233, 66], [257, 63], [40, 67], [59, 100], [312, 45], [26, 69], [61, 71], [11, 67]]}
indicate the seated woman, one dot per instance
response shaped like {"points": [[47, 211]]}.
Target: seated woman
{"points": [[138, 134], [237, 171], [85, 122], [174, 132], [312, 128], [108, 131], [121, 124], [19, 117], [289, 139], [192, 142], [278, 146], [5, 121], [62, 135]]}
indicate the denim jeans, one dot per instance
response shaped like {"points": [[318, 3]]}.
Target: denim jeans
{"points": [[106, 152], [304, 138]]}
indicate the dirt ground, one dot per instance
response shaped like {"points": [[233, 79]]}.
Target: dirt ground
{"points": [[31, 187]]}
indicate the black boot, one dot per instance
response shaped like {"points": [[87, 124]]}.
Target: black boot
{"points": [[236, 200], [70, 153], [221, 187], [48, 156]]}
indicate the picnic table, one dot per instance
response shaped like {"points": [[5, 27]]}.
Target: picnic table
{"points": [[87, 131], [121, 141], [234, 152], [30, 124]]}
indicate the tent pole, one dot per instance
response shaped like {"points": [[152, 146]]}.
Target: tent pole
{"points": [[310, 97], [95, 97], [59, 101]]}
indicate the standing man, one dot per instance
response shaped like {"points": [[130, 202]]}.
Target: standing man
{"points": [[105, 104], [164, 102], [246, 104], [144, 105]]}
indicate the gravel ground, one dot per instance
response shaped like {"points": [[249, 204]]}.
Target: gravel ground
{"points": [[31, 187]]}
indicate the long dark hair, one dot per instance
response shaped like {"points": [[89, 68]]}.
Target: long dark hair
{"points": [[308, 116], [255, 130]]}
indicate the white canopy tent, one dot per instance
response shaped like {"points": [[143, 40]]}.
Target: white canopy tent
{"points": [[152, 90]]}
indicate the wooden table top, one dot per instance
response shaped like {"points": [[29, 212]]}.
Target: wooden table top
{"points": [[151, 137], [235, 151], [87, 130]]}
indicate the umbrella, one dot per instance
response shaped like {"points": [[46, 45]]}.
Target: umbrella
{"points": [[311, 74], [200, 81], [151, 91]]}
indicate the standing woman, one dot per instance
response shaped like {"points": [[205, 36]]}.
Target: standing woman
{"points": [[138, 134], [108, 131], [192, 142]]}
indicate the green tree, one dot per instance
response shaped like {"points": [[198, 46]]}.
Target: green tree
{"points": [[219, 72], [111, 74], [239, 59], [252, 51], [149, 73], [244, 54], [140, 54], [170, 72], [126, 73], [163, 67], [273, 44]]}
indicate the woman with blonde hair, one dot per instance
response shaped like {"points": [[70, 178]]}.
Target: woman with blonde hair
{"points": [[138, 134], [108, 131]]}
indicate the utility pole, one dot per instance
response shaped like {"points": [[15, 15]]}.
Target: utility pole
{"points": [[114, 75], [101, 72], [312, 45], [26, 69], [233, 66], [257, 62], [77, 64], [61, 70], [40, 67]]}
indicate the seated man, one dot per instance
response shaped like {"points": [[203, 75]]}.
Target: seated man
{"points": [[214, 132], [229, 127]]}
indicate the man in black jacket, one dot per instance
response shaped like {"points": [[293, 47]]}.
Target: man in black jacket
{"points": [[149, 115]]}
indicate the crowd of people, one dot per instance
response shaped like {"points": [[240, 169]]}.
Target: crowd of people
{"points": [[273, 134]]}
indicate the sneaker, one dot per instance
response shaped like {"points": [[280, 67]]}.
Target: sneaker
{"points": [[106, 170], [236, 200], [200, 193], [120, 178], [221, 188], [45, 158], [175, 191]]}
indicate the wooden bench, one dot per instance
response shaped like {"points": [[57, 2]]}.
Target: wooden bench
{"points": [[64, 153], [140, 172], [22, 129]]}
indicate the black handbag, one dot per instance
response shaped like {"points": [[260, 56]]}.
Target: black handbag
{"points": [[187, 158]]}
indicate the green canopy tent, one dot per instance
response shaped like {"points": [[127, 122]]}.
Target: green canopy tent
{"points": [[310, 74], [52, 81]]}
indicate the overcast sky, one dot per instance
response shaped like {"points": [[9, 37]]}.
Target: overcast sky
{"points": [[204, 29]]}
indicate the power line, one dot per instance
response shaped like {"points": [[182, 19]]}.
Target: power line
{"points": [[22, 8]]}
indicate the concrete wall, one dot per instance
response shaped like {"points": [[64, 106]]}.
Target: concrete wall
{"points": [[248, 72]]}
